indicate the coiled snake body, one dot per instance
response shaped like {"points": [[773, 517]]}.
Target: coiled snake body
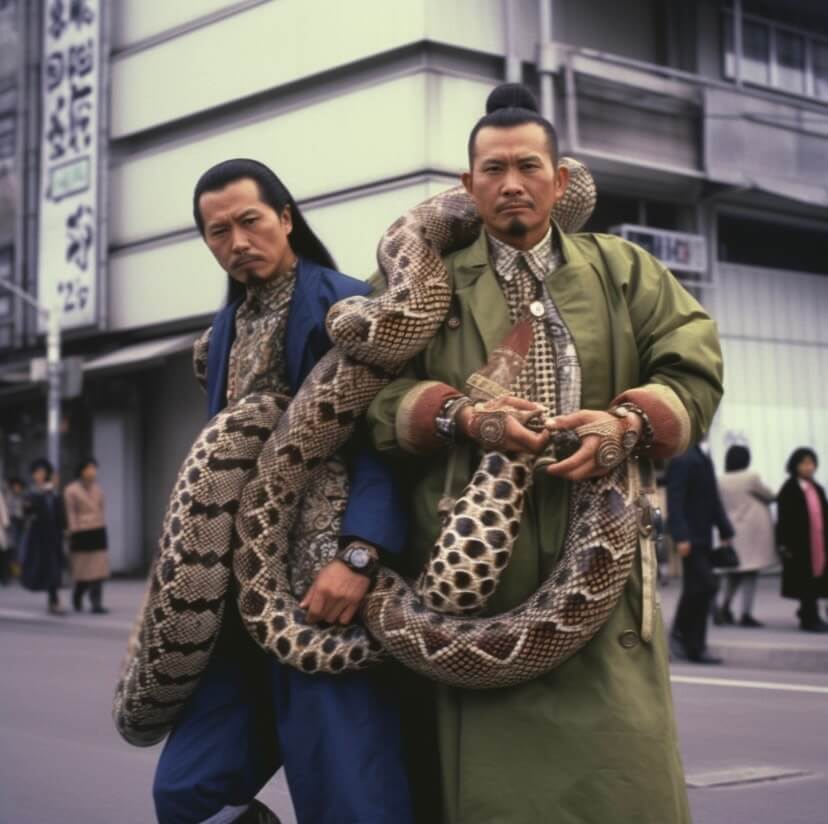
{"points": [[241, 490]]}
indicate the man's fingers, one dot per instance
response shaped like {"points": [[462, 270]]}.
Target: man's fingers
{"points": [[303, 604], [584, 456], [571, 421], [348, 614], [522, 403], [519, 438]]}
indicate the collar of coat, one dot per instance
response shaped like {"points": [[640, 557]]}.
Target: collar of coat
{"points": [[475, 282], [306, 341]]}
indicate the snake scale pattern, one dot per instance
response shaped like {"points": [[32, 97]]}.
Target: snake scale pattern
{"points": [[240, 504]]}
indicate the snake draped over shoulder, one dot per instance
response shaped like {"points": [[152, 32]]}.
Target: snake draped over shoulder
{"points": [[241, 503]]}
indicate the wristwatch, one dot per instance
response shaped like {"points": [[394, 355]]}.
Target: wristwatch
{"points": [[360, 558], [446, 421]]}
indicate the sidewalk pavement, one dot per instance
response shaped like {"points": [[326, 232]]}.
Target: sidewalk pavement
{"points": [[779, 645]]}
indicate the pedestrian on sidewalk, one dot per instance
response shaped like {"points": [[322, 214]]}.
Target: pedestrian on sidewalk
{"points": [[88, 555], [694, 507], [15, 495], [5, 549], [747, 503], [42, 545], [801, 532]]}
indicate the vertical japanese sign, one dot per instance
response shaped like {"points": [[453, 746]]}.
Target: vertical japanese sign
{"points": [[67, 246]]}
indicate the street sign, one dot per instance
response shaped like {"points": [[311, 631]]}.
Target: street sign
{"points": [[681, 251]]}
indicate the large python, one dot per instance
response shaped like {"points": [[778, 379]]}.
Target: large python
{"points": [[180, 620]]}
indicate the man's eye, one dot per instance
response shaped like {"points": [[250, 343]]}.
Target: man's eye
{"points": [[491, 169], [249, 221], [219, 231]]}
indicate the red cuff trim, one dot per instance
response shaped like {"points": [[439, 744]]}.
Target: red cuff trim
{"points": [[668, 416], [416, 414]]}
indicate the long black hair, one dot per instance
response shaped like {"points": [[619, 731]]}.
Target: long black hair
{"points": [[512, 104], [272, 191]]}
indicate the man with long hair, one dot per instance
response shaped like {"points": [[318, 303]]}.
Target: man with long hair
{"points": [[338, 737]]}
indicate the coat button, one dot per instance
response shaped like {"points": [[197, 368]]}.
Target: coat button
{"points": [[454, 323], [628, 639]]}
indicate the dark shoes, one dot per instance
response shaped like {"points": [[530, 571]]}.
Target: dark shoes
{"points": [[722, 616], [99, 610], [813, 626], [257, 813], [750, 621], [704, 658]]}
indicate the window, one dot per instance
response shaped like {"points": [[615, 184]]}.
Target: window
{"points": [[778, 57], [819, 54], [772, 245]]}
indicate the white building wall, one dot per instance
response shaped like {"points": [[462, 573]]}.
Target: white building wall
{"points": [[775, 345]]}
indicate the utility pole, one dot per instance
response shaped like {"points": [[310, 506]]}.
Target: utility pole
{"points": [[51, 315]]}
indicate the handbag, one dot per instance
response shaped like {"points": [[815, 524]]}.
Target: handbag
{"points": [[724, 557]]}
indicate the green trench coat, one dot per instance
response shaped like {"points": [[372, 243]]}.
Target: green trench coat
{"points": [[593, 741]]}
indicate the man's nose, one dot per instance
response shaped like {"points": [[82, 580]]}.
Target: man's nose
{"points": [[512, 184], [239, 238]]}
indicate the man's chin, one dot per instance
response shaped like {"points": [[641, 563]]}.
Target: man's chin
{"points": [[516, 228]]}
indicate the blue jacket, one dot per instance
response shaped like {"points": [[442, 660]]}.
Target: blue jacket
{"points": [[374, 512], [694, 506]]}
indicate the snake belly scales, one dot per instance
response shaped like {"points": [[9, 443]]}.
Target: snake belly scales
{"points": [[247, 496]]}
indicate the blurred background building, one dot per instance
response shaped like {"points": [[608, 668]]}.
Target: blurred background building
{"points": [[705, 124]]}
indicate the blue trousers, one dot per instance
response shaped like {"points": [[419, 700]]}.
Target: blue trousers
{"points": [[338, 738]]}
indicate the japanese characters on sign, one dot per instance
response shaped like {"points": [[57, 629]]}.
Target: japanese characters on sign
{"points": [[67, 269]]}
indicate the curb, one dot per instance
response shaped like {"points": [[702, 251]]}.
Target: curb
{"points": [[104, 626], [764, 656]]}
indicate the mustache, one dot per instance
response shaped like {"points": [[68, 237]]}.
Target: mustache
{"points": [[243, 260], [515, 202]]}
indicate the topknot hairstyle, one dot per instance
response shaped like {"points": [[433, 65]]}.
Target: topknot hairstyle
{"points": [[512, 104]]}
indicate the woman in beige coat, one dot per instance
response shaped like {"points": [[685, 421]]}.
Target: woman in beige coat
{"points": [[746, 500], [89, 559]]}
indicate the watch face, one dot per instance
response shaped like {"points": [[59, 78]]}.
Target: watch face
{"points": [[359, 557]]}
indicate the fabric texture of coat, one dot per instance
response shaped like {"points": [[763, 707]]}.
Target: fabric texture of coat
{"points": [[42, 550], [746, 501], [794, 535], [594, 740], [88, 553]]}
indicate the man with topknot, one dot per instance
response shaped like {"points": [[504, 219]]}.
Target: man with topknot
{"points": [[621, 353]]}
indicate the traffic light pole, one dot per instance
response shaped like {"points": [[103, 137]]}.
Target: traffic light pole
{"points": [[53, 368]]}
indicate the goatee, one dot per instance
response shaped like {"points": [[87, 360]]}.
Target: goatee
{"points": [[517, 228]]}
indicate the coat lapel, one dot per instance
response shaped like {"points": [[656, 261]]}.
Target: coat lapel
{"points": [[479, 295], [218, 356], [300, 323], [578, 291]]}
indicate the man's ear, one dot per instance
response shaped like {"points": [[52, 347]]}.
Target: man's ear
{"points": [[561, 181], [466, 180], [287, 219]]}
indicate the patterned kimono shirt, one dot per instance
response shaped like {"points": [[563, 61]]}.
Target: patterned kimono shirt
{"points": [[257, 361], [552, 375]]}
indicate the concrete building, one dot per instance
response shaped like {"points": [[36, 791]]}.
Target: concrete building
{"points": [[705, 125]]}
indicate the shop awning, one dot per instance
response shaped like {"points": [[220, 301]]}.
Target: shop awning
{"points": [[139, 355]]}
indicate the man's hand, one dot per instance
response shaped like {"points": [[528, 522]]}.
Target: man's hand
{"points": [[517, 437], [335, 595], [683, 548], [583, 464]]}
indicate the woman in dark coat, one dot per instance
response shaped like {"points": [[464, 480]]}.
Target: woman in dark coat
{"points": [[802, 530], [42, 562]]}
